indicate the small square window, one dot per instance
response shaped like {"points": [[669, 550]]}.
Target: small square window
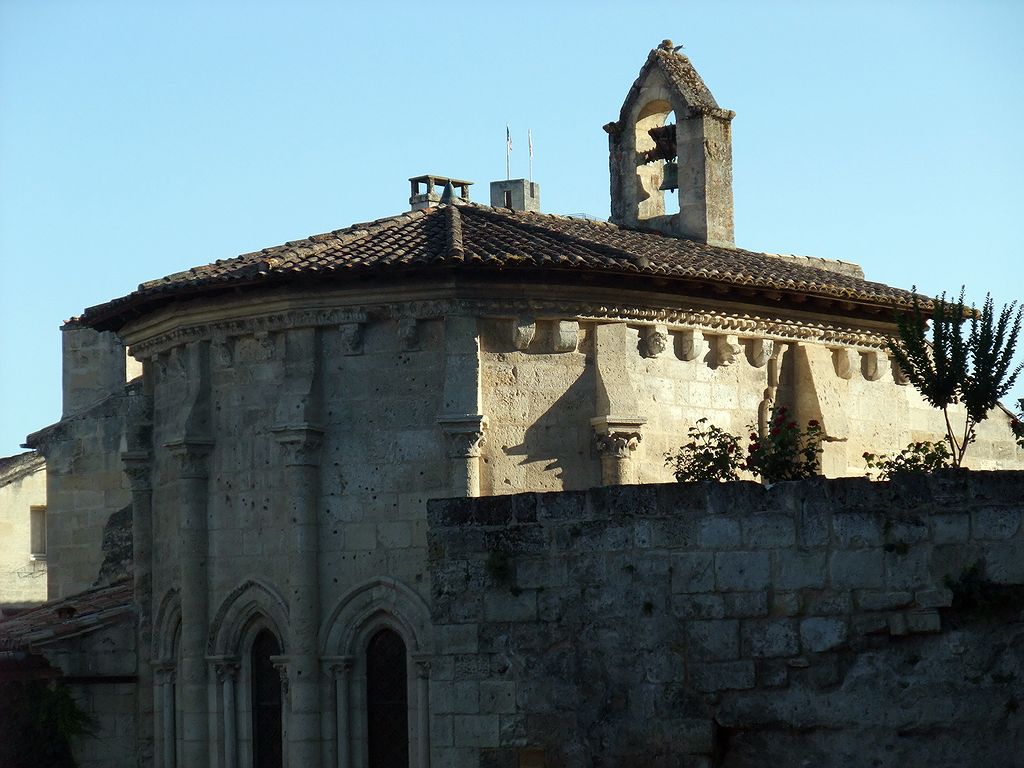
{"points": [[38, 532]]}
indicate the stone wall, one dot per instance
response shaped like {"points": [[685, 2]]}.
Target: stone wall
{"points": [[732, 625], [22, 577], [85, 483]]}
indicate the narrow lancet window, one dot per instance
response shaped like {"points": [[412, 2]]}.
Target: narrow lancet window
{"points": [[387, 701], [266, 703]]}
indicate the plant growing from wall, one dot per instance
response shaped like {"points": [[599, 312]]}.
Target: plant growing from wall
{"points": [[711, 454], [922, 456], [37, 723], [785, 451], [953, 368]]}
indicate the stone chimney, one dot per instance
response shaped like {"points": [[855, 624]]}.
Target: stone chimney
{"points": [[691, 159], [427, 190], [516, 195]]}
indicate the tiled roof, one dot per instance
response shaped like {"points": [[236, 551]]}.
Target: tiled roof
{"points": [[476, 237], [61, 619]]}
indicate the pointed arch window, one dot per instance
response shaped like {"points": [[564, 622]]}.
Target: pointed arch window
{"points": [[387, 701], [266, 702]]}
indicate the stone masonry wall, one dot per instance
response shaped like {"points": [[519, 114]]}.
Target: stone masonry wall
{"points": [[731, 625]]}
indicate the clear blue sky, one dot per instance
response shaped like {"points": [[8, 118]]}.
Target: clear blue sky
{"points": [[137, 139]]}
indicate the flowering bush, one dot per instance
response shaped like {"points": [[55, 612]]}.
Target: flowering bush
{"points": [[1017, 425], [786, 452], [711, 454], [916, 457]]}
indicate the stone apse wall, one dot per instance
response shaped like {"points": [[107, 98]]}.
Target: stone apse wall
{"points": [[730, 625]]}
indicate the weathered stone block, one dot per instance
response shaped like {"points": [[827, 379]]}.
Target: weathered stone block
{"points": [[742, 571], [995, 524], [457, 638], [772, 673], [693, 572], [951, 529], [828, 603], [785, 603], [909, 570], [712, 640], [476, 731], [1004, 563], [878, 600], [923, 621], [743, 605], [724, 676], [822, 634], [505, 606], [497, 696], [856, 529], [700, 606], [812, 526], [796, 569], [770, 638], [768, 531], [719, 533], [857, 568], [934, 598]]}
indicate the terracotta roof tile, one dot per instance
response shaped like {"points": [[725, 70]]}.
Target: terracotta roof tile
{"points": [[470, 236], [59, 619]]}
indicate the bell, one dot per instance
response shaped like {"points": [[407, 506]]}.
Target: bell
{"points": [[670, 177]]}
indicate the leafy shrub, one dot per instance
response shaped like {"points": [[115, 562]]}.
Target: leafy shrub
{"points": [[37, 723], [1017, 425], [786, 452], [924, 456], [711, 454]]}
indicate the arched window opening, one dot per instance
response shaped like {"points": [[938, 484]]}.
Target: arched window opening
{"points": [[387, 701], [666, 140], [266, 702]]}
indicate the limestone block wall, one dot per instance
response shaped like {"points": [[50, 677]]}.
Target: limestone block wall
{"points": [[85, 484], [730, 625], [22, 579]]}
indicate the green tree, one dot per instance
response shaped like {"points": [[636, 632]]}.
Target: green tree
{"points": [[972, 369]]}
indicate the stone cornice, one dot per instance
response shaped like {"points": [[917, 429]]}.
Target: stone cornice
{"points": [[739, 321]]}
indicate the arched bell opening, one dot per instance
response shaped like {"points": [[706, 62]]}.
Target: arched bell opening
{"points": [[657, 169]]}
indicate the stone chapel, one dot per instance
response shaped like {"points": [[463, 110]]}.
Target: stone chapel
{"points": [[238, 539]]}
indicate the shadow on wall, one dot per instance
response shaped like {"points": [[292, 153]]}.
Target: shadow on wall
{"points": [[560, 438]]}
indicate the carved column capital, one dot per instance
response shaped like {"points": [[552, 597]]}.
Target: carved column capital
{"points": [[464, 434], [225, 667], [617, 436], [653, 340], [338, 666], [191, 457], [166, 671], [281, 665], [300, 442], [422, 662], [137, 467]]}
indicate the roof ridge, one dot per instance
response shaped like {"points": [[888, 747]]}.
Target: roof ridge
{"points": [[453, 234]]}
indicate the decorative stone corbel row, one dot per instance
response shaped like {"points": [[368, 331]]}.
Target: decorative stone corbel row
{"points": [[846, 361], [653, 340], [873, 364], [898, 374], [760, 351], [523, 331], [351, 338], [408, 333], [727, 350], [690, 344]]}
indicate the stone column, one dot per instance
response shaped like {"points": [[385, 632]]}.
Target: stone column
{"points": [[192, 473], [227, 673], [464, 438], [341, 670], [137, 468], [281, 665], [615, 439], [301, 447], [422, 710], [165, 674]]}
